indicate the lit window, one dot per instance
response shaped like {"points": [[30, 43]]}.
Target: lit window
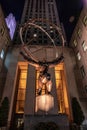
{"points": [[2, 54], [75, 42], [61, 89], [85, 20], [84, 46], [19, 122], [78, 55], [79, 33], [82, 71], [22, 76]]}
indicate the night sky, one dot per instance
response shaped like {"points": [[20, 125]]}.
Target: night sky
{"points": [[13, 6], [66, 8]]}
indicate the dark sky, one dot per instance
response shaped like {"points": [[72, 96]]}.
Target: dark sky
{"points": [[66, 8], [13, 6]]}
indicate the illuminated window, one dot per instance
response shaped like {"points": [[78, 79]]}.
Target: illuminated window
{"points": [[75, 42], [79, 33], [78, 55], [84, 46], [21, 85], [85, 20], [62, 97], [19, 122], [2, 54], [59, 88]]}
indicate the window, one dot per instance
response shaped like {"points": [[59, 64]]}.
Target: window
{"points": [[82, 71], [59, 89], [21, 85], [2, 54], [85, 20], [84, 46], [75, 42], [78, 55], [79, 33], [19, 122]]}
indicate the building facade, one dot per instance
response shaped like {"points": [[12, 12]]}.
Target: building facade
{"points": [[79, 45], [5, 41], [22, 78]]}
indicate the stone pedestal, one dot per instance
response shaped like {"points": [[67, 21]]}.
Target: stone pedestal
{"points": [[32, 120]]}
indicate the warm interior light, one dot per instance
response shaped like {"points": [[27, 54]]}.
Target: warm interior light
{"points": [[22, 75]]}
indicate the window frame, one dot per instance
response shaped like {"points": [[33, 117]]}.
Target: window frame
{"points": [[78, 55], [84, 20], [82, 71], [84, 46]]}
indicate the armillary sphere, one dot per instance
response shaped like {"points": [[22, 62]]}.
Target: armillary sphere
{"points": [[32, 32], [43, 33]]}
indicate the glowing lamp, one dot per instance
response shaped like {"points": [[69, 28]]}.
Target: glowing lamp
{"points": [[35, 35]]}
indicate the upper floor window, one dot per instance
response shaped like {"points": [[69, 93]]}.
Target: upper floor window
{"points": [[79, 33], [84, 46], [75, 42], [78, 55], [2, 54], [85, 20]]}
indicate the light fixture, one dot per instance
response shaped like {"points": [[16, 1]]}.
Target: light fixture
{"points": [[35, 35]]}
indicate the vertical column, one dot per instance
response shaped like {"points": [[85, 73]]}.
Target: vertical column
{"points": [[30, 92]]}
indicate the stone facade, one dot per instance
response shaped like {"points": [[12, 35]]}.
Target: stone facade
{"points": [[79, 45], [61, 120], [10, 86], [5, 41]]}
